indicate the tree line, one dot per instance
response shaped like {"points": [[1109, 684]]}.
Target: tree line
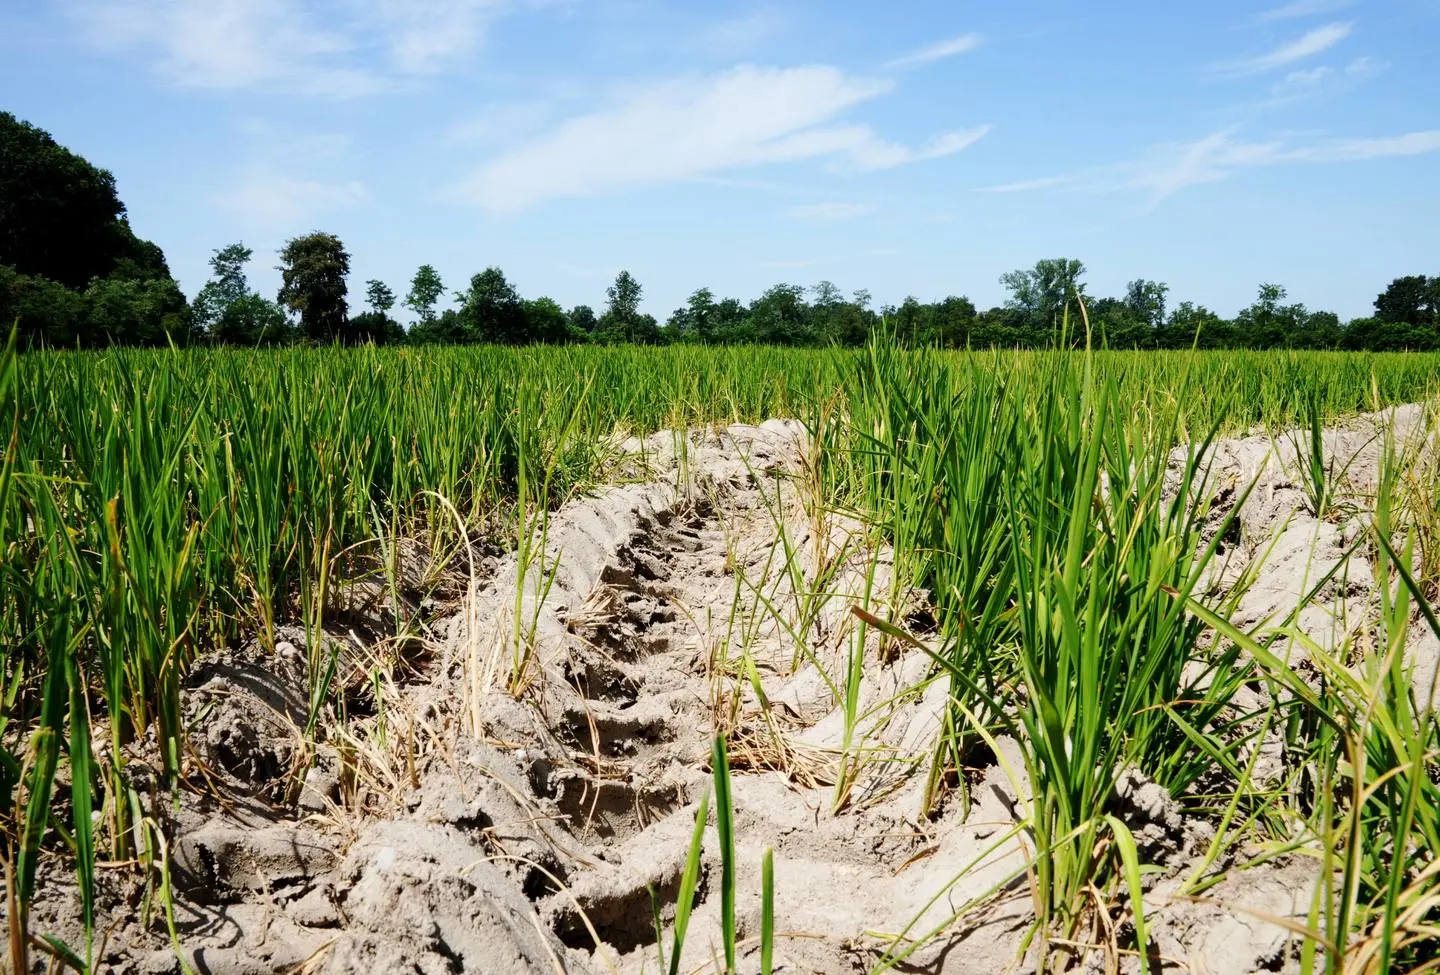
{"points": [[72, 273]]}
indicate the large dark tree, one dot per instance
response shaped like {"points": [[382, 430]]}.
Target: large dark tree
{"points": [[313, 270], [1411, 300], [62, 226], [491, 310], [546, 321], [582, 321], [60, 217]]}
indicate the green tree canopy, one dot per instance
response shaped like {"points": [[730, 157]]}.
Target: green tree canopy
{"points": [[60, 216], [491, 310], [425, 289], [379, 296], [226, 310], [313, 269]]}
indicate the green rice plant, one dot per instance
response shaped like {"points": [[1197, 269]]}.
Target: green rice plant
{"points": [[1060, 624], [689, 886], [850, 703], [725, 831], [767, 912], [157, 505], [1369, 806]]}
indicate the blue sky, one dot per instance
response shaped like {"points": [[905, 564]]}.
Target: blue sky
{"points": [[905, 147]]}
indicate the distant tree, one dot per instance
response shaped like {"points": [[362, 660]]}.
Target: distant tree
{"points": [[1041, 295], [227, 311], [951, 323], [781, 316], [545, 321], [137, 312], [1407, 316], [582, 321], [1268, 324], [491, 310], [313, 269], [827, 295], [1115, 324], [1322, 330], [46, 311], [379, 296], [695, 321], [911, 321], [425, 289], [622, 320], [1146, 301], [1000, 328], [1410, 300], [376, 325], [444, 328], [1190, 325]]}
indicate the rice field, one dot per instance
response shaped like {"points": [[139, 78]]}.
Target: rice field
{"points": [[158, 507]]}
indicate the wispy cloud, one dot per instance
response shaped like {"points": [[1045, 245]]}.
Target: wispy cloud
{"points": [[1167, 168], [1365, 67], [1360, 150], [269, 201], [1301, 8], [282, 45], [1322, 81], [938, 51], [695, 128], [871, 153], [830, 211], [1301, 83], [1307, 45], [1027, 185], [424, 36]]}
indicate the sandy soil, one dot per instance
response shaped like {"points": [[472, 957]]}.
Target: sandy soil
{"points": [[480, 830]]}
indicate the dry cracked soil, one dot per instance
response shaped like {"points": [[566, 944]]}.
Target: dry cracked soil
{"points": [[511, 811]]}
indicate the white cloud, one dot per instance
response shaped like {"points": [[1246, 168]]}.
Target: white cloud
{"points": [[1168, 168], [872, 153], [268, 200], [424, 35], [698, 128], [830, 211], [1307, 45], [1360, 150], [1300, 83], [1323, 80], [283, 45], [1027, 185], [1365, 67], [1301, 8], [938, 51]]}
